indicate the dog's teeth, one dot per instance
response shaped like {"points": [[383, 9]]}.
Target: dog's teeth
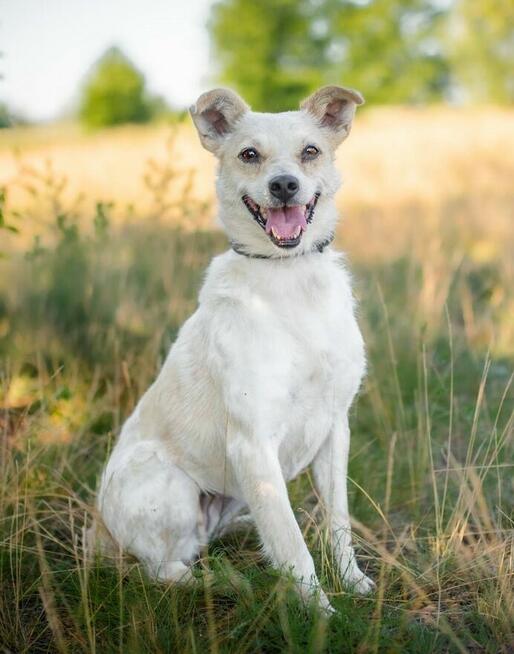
{"points": [[297, 231], [275, 234]]}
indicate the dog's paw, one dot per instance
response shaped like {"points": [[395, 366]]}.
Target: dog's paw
{"points": [[364, 586], [359, 583], [313, 595], [324, 605], [174, 572]]}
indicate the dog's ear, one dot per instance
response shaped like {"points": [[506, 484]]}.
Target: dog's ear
{"points": [[333, 107], [215, 114]]}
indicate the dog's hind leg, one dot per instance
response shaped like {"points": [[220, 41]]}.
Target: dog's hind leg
{"points": [[151, 508]]}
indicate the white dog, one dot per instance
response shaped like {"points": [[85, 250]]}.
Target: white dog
{"points": [[260, 380]]}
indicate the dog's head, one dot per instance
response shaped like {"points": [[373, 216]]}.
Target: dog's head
{"points": [[277, 176]]}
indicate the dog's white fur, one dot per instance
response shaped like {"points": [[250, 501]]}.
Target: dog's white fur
{"points": [[260, 380]]}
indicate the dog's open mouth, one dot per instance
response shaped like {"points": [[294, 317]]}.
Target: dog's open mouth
{"points": [[284, 225]]}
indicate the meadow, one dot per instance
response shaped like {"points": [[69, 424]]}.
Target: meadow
{"points": [[104, 238]]}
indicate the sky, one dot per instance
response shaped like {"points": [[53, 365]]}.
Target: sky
{"points": [[47, 47]]}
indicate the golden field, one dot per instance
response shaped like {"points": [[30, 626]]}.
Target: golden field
{"points": [[396, 162], [434, 183]]}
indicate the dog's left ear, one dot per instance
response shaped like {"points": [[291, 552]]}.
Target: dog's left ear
{"points": [[333, 107], [215, 114]]}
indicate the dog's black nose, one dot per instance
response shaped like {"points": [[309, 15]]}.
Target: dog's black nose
{"points": [[284, 187]]}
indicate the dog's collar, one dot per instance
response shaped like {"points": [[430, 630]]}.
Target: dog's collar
{"points": [[317, 247]]}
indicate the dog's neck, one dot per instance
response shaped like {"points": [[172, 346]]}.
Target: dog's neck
{"points": [[317, 247]]}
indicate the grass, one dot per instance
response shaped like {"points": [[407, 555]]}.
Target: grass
{"points": [[92, 293]]}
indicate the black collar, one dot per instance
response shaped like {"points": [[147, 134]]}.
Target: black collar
{"points": [[317, 247]]}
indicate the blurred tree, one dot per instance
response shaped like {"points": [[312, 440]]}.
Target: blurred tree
{"points": [[390, 49], [276, 51], [268, 50], [10, 118], [481, 47], [5, 116], [114, 93]]}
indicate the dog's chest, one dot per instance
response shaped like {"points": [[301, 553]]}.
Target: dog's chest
{"points": [[317, 374], [302, 364]]}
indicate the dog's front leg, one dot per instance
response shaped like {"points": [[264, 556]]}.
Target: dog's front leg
{"points": [[257, 471], [330, 474]]}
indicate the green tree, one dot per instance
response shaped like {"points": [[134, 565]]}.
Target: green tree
{"points": [[481, 46], [6, 119], [10, 118], [276, 51], [391, 49], [114, 93], [267, 50]]}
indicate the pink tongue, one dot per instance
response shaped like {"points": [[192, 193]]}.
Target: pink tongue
{"points": [[285, 221]]}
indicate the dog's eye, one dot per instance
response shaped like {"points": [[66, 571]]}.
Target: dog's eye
{"points": [[249, 155], [310, 152]]}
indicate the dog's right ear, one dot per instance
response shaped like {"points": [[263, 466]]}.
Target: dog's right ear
{"points": [[215, 114]]}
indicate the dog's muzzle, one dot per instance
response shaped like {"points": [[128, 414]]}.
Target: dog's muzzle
{"points": [[284, 225]]}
